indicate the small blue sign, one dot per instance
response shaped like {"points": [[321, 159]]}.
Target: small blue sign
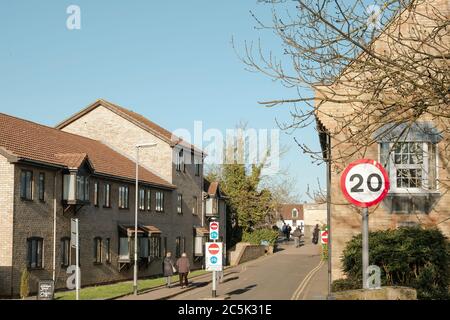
{"points": [[213, 260], [214, 235]]}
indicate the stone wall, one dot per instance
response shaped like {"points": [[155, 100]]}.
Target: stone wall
{"points": [[244, 252], [385, 293]]}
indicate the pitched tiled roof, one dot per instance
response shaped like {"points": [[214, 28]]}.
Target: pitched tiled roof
{"points": [[72, 160], [135, 118], [31, 141], [213, 188], [285, 211]]}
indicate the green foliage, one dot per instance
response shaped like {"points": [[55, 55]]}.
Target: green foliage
{"points": [[250, 205], [412, 257], [346, 284], [24, 284], [259, 235], [324, 252]]}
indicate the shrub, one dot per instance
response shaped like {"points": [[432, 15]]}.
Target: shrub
{"points": [[346, 284], [324, 252], [410, 256], [24, 284], [256, 236]]}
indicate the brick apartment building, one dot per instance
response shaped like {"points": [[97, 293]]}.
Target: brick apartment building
{"points": [[85, 168], [409, 202]]}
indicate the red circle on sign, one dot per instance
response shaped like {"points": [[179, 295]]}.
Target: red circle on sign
{"points": [[378, 199], [325, 236], [214, 226], [213, 248]]}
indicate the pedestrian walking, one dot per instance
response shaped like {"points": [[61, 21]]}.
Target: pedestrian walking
{"points": [[297, 236], [168, 268], [183, 267], [284, 230], [288, 232], [316, 234]]}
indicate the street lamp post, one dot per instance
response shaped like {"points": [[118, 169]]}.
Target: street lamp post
{"points": [[138, 146]]}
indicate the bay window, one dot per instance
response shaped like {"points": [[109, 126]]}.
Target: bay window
{"points": [[409, 154], [155, 246], [411, 165]]}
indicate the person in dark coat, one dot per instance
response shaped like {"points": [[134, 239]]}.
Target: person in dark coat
{"points": [[183, 267], [316, 234], [168, 268], [288, 232]]}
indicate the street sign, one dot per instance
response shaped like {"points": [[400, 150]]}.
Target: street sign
{"points": [[324, 237], [46, 289], [365, 183], [214, 256], [214, 230]]}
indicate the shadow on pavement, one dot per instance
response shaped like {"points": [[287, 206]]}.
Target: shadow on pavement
{"points": [[230, 279], [241, 291]]}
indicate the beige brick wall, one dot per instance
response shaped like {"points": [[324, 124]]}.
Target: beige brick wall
{"points": [[106, 126], [6, 224], [122, 135], [346, 219]]}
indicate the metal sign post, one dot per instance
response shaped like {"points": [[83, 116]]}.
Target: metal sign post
{"points": [[365, 245], [214, 235], [75, 243], [365, 183], [214, 252], [77, 261]]}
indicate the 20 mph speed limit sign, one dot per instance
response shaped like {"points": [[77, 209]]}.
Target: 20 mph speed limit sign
{"points": [[365, 183]]}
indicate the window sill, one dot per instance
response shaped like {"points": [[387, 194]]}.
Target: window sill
{"points": [[35, 269], [98, 263], [405, 193]]}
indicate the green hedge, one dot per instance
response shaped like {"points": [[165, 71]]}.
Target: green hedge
{"points": [[412, 257], [256, 236]]}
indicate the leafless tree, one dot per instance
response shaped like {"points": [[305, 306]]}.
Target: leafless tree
{"points": [[362, 71]]}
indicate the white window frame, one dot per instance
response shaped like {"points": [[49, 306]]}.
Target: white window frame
{"points": [[424, 166], [292, 213]]}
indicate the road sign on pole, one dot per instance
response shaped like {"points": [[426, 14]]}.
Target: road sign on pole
{"points": [[214, 253], [324, 237], [214, 230], [365, 183]]}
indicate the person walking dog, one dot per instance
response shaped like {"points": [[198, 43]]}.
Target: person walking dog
{"points": [[168, 268], [183, 267]]}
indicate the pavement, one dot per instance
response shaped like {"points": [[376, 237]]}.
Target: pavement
{"points": [[288, 274]]}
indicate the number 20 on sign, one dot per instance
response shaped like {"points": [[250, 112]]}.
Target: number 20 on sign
{"points": [[365, 183]]}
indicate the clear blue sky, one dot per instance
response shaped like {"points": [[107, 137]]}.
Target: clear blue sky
{"points": [[171, 61]]}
